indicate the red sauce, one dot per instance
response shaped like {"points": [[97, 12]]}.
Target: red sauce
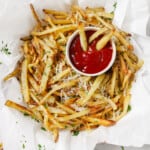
{"points": [[92, 60]]}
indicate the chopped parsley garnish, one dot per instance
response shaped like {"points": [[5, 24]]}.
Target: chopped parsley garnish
{"points": [[129, 108], [23, 146], [0, 62], [75, 133], [42, 128], [4, 49], [114, 5], [25, 114], [39, 147]]}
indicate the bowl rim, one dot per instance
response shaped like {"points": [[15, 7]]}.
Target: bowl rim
{"points": [[74, 34]]}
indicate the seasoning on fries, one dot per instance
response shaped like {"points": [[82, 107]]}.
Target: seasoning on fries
{"points": [[57, 96]]}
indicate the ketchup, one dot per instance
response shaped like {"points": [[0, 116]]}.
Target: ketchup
{"points": [[92, 60]]}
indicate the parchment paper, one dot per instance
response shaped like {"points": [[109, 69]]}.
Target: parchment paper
{"points": [[18, 131]]}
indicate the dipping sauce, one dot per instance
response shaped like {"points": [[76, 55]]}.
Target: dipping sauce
{"points": [[92, 60]]}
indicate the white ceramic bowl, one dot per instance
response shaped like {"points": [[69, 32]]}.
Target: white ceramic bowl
{"points": [[76, 69]]}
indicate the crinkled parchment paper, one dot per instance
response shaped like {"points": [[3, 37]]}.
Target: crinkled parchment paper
{"points": [[16, 130]]}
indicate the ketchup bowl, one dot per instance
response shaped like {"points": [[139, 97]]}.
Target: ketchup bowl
{"points": [[91, 62]]}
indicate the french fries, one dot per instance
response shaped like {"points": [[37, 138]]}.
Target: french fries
{"points": [[94, 87], [60, 98]]}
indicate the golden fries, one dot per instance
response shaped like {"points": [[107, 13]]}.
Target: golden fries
{"points": [[123, 40], [60, 98], [94, 87]]}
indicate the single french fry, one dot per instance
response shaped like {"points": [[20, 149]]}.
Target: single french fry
{"points": [[99, 121], [113, 82], [45, 75], [54, 110], [97, 34], [63, 28], [125, 107], [126, 78], [33, 96], [60, 75], [104, 40], [33, 83], [60, 17], [63, 85], [105, 15], [55, 134], [65, 108], [54, 12], [62, 21], [24, 81], [26, 38], [106, 24], [83, 39], [21, 108], [123, 65], [12, 74], [96, 9], [35, 15], [73, 116]]}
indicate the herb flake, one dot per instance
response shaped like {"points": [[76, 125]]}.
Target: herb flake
{"points": [[75, 133], [39, 147], [42, 128], [25, 114], [4, 49], [114, 6], [122, 148], [129, 108], [23, 146]]}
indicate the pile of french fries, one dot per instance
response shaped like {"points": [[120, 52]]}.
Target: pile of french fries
{"points": [[60, 98]]}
